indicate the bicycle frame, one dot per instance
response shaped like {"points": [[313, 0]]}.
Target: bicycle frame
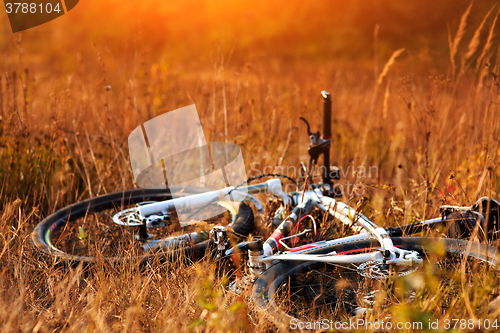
{"points": [[348, 216], [303, 203]]}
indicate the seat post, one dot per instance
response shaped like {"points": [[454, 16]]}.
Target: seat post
{"points": [[327, 135]]}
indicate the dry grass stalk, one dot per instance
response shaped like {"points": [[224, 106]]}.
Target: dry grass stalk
{"points": [[458, 37], [101, 183], [488, 44], [375, 49], [484, 59], [474, 43], [388, 65], [84, 164], [385, 105], [285, 150]]}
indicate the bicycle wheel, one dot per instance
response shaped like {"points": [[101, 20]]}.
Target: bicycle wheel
{"points": [[85, 230], [308, 292]]}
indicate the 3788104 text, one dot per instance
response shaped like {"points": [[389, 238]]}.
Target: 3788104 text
{"points": [[469, 324], [31, 8]]}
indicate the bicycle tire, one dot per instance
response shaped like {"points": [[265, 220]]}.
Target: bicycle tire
{"points": [[67, 218], [269, 290]]}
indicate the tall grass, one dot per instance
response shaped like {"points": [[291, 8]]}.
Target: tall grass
{"points": [[432, 135]]}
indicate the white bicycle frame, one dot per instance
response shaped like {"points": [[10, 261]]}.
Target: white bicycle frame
{"points": [[348, 216], [338, 209]]}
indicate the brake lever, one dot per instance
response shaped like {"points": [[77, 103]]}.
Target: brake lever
{"points": [[308, 128], [314, 137]]}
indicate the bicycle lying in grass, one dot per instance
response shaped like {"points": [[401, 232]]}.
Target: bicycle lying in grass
{"points": [[302, 271]]}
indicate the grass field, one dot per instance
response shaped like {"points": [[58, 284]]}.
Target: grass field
{"points": [[418, 104]]}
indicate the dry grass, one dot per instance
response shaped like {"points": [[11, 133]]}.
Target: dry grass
{"points": [[432, 135]]}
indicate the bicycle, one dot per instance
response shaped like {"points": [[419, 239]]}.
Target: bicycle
{"points": [[336, 278]]}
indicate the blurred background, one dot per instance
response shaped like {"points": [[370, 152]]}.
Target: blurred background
{"points": [[197, 30]]}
